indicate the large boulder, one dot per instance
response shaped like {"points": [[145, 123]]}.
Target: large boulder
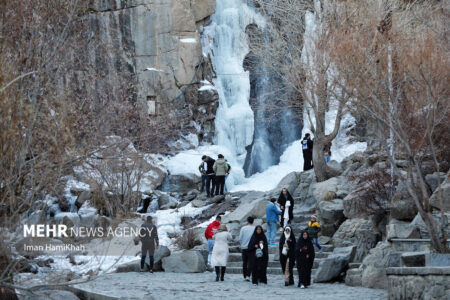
{"points": [[135, 265], [418, 223], [332, 212], [434, 180], [302, 190], [402, 205], [332, 266], [358, 232], [188, 261], [180, 183], [253, 204], [442, 191], [290, 182], [375, 263], [401, 230]]}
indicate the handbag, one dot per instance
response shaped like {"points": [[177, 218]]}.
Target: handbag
{"points": [[259, 253]]}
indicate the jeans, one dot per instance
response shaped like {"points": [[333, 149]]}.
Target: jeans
{"points": [[143, 261], [204, 179], [271, 232], [210, 184], [220, 184], [245, 264], [327, 158], [210, 250], [316, 242]]}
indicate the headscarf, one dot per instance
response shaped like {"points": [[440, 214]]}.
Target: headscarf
{"points": [[304, 243], [222, 228], [290, 232], [288, 195]]}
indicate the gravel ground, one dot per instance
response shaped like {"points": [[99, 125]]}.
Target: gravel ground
{"points": [[203, 286]]}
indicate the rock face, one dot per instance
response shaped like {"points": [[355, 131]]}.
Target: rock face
{"points": [[401, 230], [180, 183], [444, 191], [156, 47], [357, 232], [189, 261], [402, 205], [334, 264]]}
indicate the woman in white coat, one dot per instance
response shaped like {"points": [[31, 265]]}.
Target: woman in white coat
{"points": [[220, 251]]}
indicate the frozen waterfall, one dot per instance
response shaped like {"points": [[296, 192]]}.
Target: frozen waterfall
{"points": [[224, 39]]}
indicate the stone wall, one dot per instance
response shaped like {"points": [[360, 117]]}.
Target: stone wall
{"points": [[419, 283]]}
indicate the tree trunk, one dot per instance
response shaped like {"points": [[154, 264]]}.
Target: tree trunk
{"points": [[321, 169]]}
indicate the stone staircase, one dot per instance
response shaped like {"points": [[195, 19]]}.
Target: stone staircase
{"points": [[274, 266], [301, 217]]}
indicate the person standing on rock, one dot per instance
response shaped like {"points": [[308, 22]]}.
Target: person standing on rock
{"points": [[245, 235], [148, 234], [221, 251], [203, 167], [209, 235], [210, 176], [313, 231], [258, 250], [307, 147], [287, 255], [221, 170], [286, 203], [305, 260], [272, 213]]}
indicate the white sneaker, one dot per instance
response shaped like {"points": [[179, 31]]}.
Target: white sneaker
{"points": [[302, 286], [247, 278]]}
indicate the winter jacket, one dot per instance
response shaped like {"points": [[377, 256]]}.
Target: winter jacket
{"points": [[220, 251], [272, 213], [282, 201], [202, 168], [148, 234], [313, 229], [210, 162], [211, 230], [220, 167], [245, 235]]}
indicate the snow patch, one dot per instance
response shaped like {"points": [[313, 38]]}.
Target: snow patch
{"points": [[189, 40]]}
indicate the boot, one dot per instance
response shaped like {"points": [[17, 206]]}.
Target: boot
{"points": [[222, 275], [217, 273]]}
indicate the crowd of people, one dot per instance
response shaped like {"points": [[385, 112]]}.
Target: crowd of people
{"points": [[254, 244]]}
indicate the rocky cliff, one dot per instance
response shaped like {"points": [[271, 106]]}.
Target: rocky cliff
{"points": [[155, 46]]}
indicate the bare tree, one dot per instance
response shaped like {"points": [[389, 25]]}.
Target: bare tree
{"points": [[392, 57], [302, 59]]}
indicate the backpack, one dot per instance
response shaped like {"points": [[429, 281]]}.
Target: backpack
{"points": [[305, 144], [259, 253]]}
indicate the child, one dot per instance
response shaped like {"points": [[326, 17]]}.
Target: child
{"points": [[313, 231]]}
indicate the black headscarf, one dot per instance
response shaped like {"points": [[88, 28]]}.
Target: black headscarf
{"points": [[304, 243], [282, 201], [256, 238]]}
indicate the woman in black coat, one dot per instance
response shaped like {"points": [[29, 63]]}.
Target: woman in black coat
{"points": [[258, 251], [305, 259], [286, 203], [287, 255]]}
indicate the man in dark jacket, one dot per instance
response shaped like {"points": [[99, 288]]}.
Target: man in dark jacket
{"points": [[149, 240], [210, 175], [307, 147]]}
